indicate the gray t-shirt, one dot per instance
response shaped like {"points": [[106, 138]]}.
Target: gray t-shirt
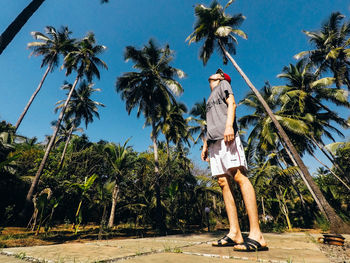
{"points": [[216, 112]]}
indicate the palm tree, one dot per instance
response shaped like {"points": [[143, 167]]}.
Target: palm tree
{"points": [[84, 188], [51, 46], [174, 125], [80, 107], [218, 29], [331, 51], [64, 131], [122, 160], [264, 140], [307, 93], [151, 91], [198, 113], [83, 59], [67, 131]]}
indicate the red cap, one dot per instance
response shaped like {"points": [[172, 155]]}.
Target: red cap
{"points": [[227, 77]]}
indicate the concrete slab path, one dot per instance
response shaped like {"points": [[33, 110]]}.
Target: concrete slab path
{"points": [[286, 247]]}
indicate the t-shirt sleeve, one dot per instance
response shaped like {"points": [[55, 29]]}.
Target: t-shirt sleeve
{"points": [[225, 90]]}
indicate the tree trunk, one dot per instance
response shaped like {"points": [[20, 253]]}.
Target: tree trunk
{"points": [[103, 222], [65, 147], [337, 225], [114, 203], [11, 31], [330, 170], [47, 152], [33, 97], [76, 222], [263, 209], [159, 214]]}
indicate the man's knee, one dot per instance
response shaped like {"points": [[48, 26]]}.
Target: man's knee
{"points": [[238, 175], [222, 181]]}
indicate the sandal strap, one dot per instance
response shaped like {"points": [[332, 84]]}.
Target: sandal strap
{"points": [[227, 239], [252, 243]]}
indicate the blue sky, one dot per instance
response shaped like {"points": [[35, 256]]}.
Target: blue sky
{"points": [[274, 30]]}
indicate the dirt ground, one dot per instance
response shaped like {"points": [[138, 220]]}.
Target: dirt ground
{"points": [[21, 237]]}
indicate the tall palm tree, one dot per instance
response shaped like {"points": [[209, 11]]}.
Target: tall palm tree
{"points": [[80, 107], [51, 46], [217, 28], [122, 160], [151, 90], [198, 113], [332, 49], [84, 61]]}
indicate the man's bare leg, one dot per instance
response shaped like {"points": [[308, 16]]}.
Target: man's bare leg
{"points": [[249, 198], [231, 210]]}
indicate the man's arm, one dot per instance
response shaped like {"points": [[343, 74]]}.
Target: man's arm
{"points": [[229, 134], [204, 154]]}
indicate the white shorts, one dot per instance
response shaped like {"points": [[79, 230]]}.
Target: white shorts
{"points": [[223, 157]]}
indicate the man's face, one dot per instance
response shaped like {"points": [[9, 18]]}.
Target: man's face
{"points": [[215, 77], [214, 80]]}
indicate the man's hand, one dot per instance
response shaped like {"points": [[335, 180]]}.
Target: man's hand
{"points": [[229, 134], [204, 154]]}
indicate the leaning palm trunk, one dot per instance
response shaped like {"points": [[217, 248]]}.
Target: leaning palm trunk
{"points": [[114, 203], [336, 223], [65, 148], [48, 149], [33, 97], [12, 30]]}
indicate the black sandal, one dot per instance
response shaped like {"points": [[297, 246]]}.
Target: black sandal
{"points": [[229, 242], [251, 245]]}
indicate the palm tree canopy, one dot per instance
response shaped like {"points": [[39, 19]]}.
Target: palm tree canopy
{"points": [[214, 26], [174, 126], [332, 48], [121, 157], [304, 95], [83, 59], [68, 126], [51, 45], [81, 106], [305, 85], [153, 88]]}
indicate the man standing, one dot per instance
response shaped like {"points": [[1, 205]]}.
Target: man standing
{"points": [[227, 160]]}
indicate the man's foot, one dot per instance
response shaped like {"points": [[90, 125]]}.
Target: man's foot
{"points": [[228, 240], [250, 245], [257, 241]]}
